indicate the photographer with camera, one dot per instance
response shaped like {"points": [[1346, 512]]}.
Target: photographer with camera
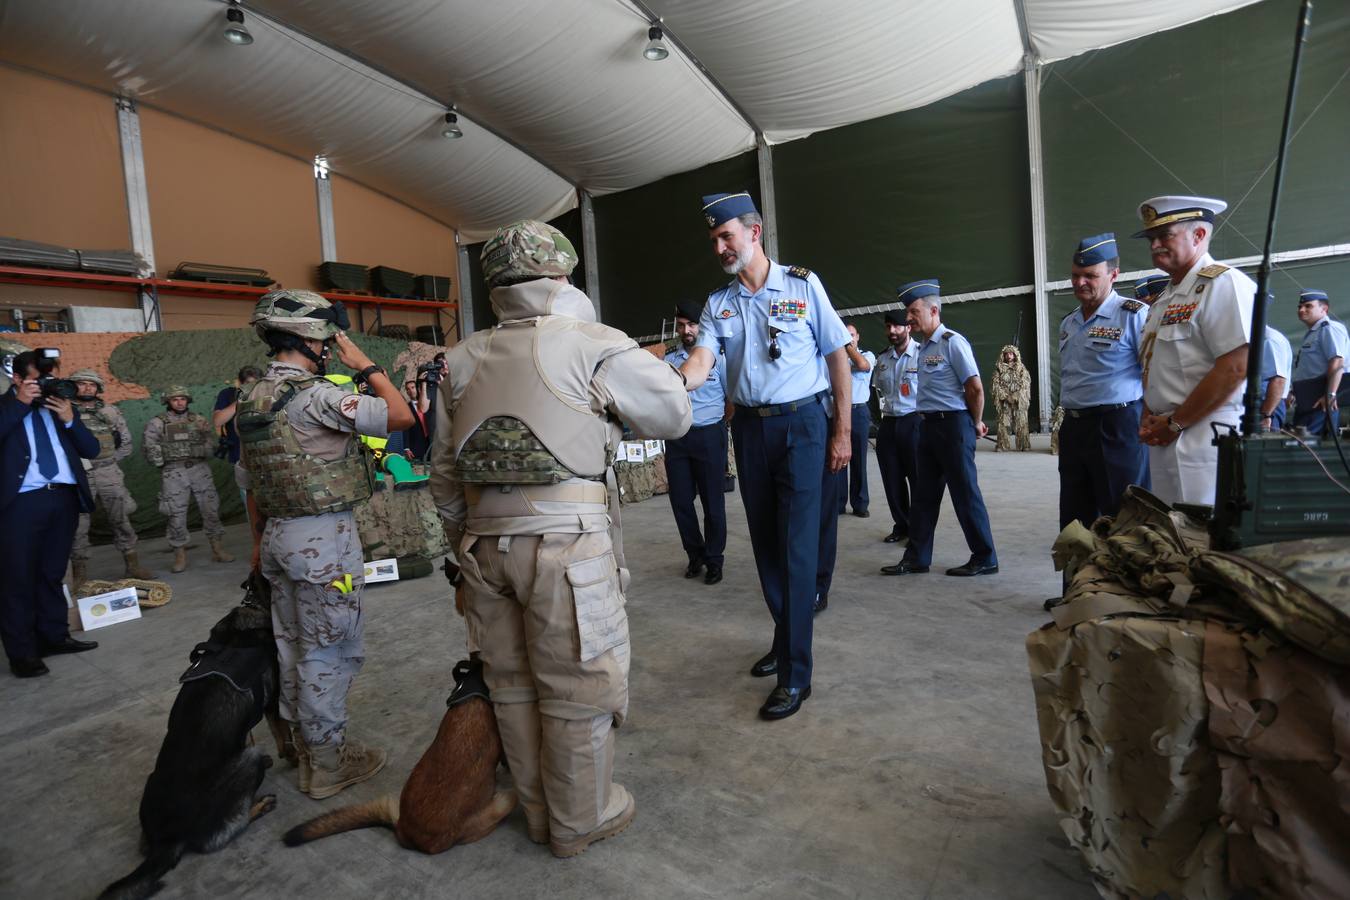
{"points": [[43, 489], [421, 394]]}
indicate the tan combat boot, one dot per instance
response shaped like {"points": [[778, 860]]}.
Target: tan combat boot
{"points": [[134, 567], [79, 571], [584, 804], [218, 553], [179, 559], [302, 759], [337, 766]]}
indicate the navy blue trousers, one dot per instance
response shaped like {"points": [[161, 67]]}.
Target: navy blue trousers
{"points": [[947, 461], [853, 477], [832, 493], [1306, 393], [36, 549], [697, 464], [1277, 416], [1099, 456], [898, 460], [781, 462]]}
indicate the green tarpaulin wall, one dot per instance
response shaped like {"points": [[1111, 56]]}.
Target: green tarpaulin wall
{"points": [[944, 191]]}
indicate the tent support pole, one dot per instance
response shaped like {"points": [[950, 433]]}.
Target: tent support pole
{"points": [[323, 193], [1032, 72], [768, 204], [464, 320], [138, 205], [588, 252]]}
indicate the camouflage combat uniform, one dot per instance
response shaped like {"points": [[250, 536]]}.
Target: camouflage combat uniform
{"points": [[535, 529], [105, 477], [1012, 400], [178, 444]]}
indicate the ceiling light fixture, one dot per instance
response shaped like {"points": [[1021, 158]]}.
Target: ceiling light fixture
{"points": [[235, 32], [451, 129], [656, 47]]}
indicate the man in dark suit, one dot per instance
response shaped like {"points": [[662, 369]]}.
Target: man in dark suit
{"points": [[43, 489]]}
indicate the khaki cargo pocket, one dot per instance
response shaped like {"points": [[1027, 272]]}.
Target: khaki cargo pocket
{"points": [[601, 622]]}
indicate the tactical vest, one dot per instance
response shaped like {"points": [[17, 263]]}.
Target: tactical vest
{"points": [[183, 438], [510, 426], [101, 427], [287, 481]]}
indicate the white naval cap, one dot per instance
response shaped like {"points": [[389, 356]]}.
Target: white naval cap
{"points": [[1165, 210]]}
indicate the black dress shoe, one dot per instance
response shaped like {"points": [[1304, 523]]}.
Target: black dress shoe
{"points": [[895, 536], [822, 601], [69, 645], [973, 568], [714, 574], [861, 513], [904, 567], [28, 668], [783, 702], [695, 566], [767, 665]]}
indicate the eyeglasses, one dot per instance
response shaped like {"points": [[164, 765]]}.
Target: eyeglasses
{"points": [[774, 350]]}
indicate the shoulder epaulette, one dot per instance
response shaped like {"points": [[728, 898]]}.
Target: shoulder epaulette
{"points": [[1131, 305], [948, 334], [801, 272], [1213, 271]]}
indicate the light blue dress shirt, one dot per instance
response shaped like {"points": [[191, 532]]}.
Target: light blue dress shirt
{"points": [[946, 363], [892, 371], [1099, 358], [737, 323], [1276, 359], [862, 381], [33, 478], [709, 401], [1324, 342]]}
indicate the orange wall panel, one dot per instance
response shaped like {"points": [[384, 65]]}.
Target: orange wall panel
{"points": [[60, 165], [373, 230], [217, 199]]}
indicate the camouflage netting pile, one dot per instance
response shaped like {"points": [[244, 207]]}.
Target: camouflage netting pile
{"points": [[206, 362]]}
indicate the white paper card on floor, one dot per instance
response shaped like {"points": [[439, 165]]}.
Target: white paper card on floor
{"points": [[102, 610], [381, 570]]}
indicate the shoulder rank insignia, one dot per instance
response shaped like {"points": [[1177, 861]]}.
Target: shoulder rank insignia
{"points": [[1132, 305], [801, 272], [1213, 271], [948, 335]]}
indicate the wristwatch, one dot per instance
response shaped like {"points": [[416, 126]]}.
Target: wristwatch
{"points": [[1174, 427], [368, 371]]}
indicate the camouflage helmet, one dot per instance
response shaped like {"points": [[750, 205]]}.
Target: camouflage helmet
{"points": [[88, 375], [174, 390], [302, 313], [525, 250]]}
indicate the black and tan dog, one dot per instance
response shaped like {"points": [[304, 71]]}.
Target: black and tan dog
{"points": [[451, 796], [203, 791]]}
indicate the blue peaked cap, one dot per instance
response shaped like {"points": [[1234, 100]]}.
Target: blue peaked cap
{"points": [[1151, 286], [924, 287], [718, 208], [1305, 296], [1096, 249]]}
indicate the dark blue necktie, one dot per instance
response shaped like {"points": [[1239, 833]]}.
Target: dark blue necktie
{"points": [[46, 455]]}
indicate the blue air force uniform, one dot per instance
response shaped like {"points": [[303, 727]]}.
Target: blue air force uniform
{"points": [[1277, 360], [697, 464], [1101, 389], [946, 451], [895, 377], [1324, 341], [852, 486], [780, 434]]}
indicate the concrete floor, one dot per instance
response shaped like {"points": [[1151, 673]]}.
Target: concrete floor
{"points": [[913, 771]]}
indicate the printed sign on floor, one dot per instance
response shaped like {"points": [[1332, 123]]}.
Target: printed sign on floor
{"points": [[381, 570], [102, 610]]}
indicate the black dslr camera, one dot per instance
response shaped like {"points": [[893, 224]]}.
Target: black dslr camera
{"points": [[62, 388], [430, 372]]}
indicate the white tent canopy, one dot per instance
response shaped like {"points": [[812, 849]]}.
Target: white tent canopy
{"points": [[554, 97]]}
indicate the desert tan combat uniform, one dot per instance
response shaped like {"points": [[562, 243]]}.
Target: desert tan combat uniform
{"points": [[178, 444], [106, 483], [306, 471], [1012, 400], [527, 429]]}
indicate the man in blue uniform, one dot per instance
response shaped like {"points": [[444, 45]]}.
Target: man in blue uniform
{"points": [[697, 462], [783, 348], [1277, 361], [1150, 287], [896, 379], [853, 482], [951, 406], [1100, 387], [1319, 365]]}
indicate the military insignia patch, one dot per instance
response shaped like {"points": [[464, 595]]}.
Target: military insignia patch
{"points": [[710, 220], [787, 308], [934, 360], [799, 272], [1110, 333], [1213, 271], [1132, 305], [1176, 314], [726, 314], [1200, 288]]}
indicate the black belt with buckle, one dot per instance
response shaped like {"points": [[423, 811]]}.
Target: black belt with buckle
{"points": [[1097, 410], [781, 409], [944, 414], [54, 485]]}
